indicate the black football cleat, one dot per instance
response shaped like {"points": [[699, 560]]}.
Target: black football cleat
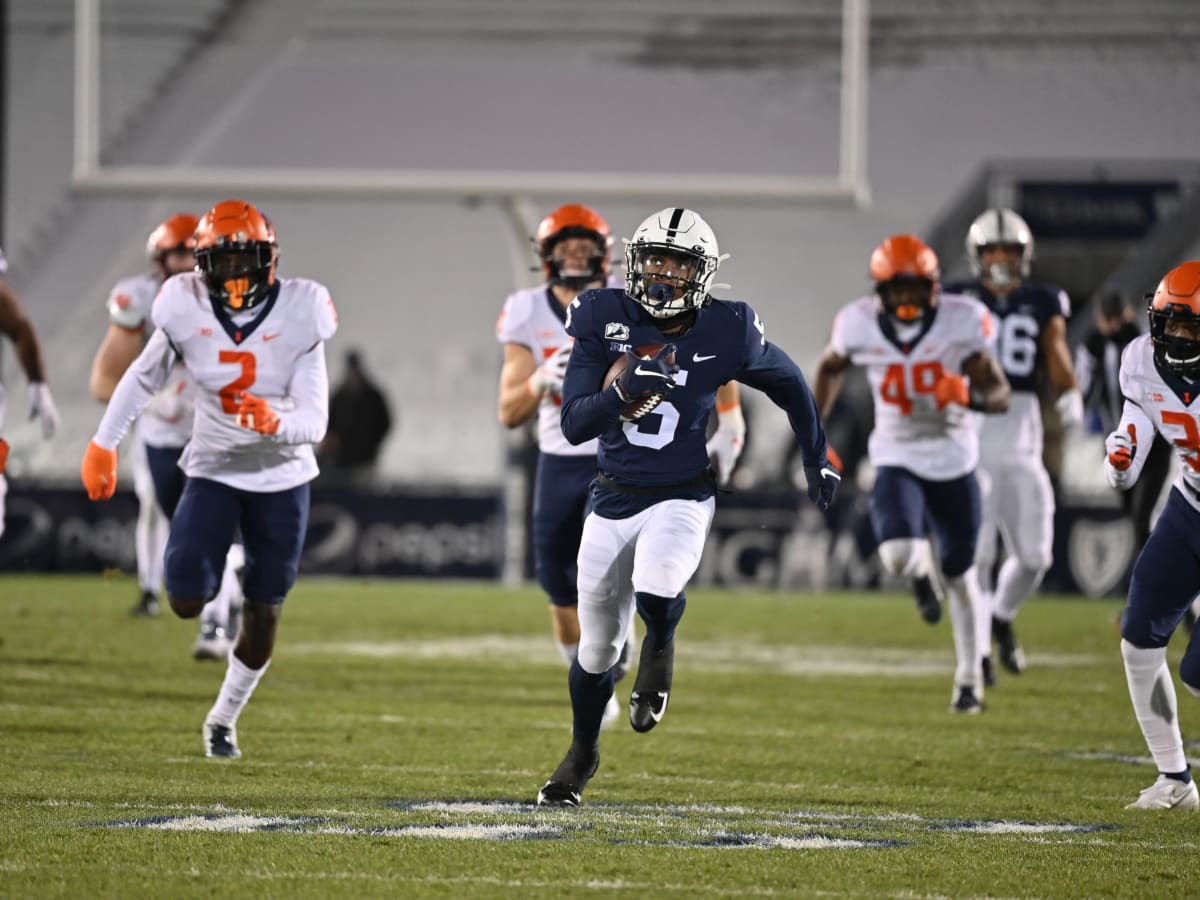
{"points": [[1012, 657], [648, 702], [989, 672], [220, 740], [565, 787], [928, 603], [965, 701], [147, 605]]}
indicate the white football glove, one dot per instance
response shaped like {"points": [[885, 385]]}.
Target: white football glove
{"points": [[41, 407], [548, 377], [1070, 408], [725, 446], [1121, 447]]}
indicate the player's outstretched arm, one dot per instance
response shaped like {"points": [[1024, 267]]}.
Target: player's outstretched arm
{"points": [[522, 385], [144, 377], [16, 324], [1062, 374]]}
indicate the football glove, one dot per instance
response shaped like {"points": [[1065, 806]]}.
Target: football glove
{"points": [[1070, 408], [1122, 448], [951, 388], [823, 483], [725, 446], [548, 377], [3, 455], [42, 408], [256, 414], [99, 471], [644, 377]]}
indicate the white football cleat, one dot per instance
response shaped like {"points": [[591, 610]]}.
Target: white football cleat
{"points": [[1168, 793], [211, 643]]}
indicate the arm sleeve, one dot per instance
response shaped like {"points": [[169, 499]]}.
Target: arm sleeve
{"points": [[1133, 415], [307, 420], [144, 377], [773, 372], [587, 411]]}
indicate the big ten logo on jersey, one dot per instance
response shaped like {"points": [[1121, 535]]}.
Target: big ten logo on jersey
{"points": [[903, 384], [1172, 420], [1017, 344]]}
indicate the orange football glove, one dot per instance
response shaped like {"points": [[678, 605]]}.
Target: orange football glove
{"points": [[256, 414], [99, 471], [951, 388], [3, 454], [1121, 449]]}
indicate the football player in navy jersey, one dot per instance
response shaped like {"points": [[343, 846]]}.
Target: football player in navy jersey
{"points": [[1018, 499], [653, 495]]}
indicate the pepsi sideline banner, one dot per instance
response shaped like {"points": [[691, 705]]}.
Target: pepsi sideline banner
{"points": [[759, 539]]}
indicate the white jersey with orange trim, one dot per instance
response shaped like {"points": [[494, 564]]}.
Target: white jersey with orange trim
{"points": [[167, 422], [1167, 405], [910, 431], [535, 319], [275, 351]]}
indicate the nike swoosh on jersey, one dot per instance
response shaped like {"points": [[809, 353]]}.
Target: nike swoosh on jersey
{"points": [[696, 357], [640, 371], [271, 337]]}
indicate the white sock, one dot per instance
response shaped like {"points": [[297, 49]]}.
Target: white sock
{"points": [[906, 556], [1153, 694], [963, 598], [983, 622], [149, 541], [1016, 584], [567, 651], [240, 682]]}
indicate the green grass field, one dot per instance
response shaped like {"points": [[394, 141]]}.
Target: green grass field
{"points": [[397, 744]]}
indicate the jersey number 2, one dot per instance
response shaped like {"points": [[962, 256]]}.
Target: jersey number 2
{"points": [[229, 393]]}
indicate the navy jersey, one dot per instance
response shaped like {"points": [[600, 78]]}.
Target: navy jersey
{"points": [[1021, 318], [666, 447]]}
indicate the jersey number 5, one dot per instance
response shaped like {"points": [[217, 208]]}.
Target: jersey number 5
{"points": [[897, 381], [229, 393]]}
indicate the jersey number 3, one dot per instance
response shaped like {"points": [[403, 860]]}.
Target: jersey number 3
{"points": [[229, 393]]}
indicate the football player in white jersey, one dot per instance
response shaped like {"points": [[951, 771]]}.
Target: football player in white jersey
{"points": [[573, 243], [1018, 499], [1160, 380], [927, 359], [254, 347], [163, 430], [15, 323]]}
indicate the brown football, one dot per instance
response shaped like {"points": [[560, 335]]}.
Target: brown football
{"points": [[639, 406]]}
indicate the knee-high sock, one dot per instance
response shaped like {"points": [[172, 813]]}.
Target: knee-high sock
{"points": [[240, 682], [1153, 694], [962, 594], [150, 543], [589, 695], [661, 615], [229, 594], [1014, 586]]}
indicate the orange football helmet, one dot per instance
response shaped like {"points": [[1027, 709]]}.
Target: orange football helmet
{"points": [[237, 251], [574, 220], [1177, 299], [905, 271], [175, 233]]}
